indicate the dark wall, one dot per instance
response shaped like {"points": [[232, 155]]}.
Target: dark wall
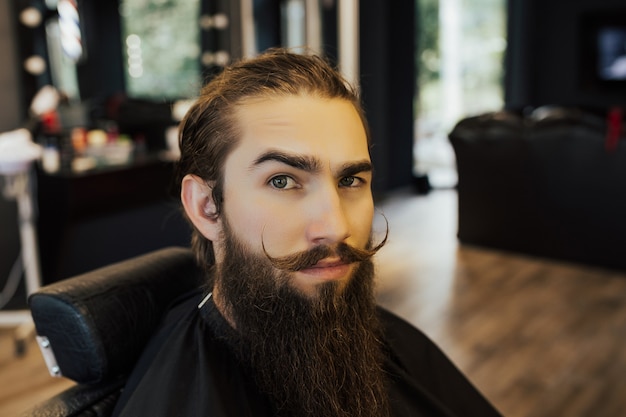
{"points": [[10, 118], [547, 54], [101, 75], [387, 68], [9, 87]]}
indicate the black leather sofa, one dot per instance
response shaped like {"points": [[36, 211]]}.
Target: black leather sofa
{"points": [[543, 183]]}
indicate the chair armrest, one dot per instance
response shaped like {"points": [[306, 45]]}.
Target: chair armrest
{"points": [[80, 400], [98, 323]]}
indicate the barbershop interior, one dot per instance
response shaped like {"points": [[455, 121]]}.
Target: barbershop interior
{"points": [[498, 142]]}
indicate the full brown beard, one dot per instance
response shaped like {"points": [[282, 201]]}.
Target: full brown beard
{"points": [[313, 356]]}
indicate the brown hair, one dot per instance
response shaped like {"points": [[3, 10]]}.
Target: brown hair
{"points": [[209, 131]]}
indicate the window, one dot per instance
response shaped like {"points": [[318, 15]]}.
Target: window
{"points": [[460, 61]]}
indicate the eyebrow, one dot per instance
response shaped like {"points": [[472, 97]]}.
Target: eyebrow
{"points": [[312, 164], [353, 168], [304, 163]]}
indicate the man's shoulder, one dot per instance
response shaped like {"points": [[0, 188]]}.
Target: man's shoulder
{"points": [[395, 326], [183, 305], [416, 363], [407, 346]]}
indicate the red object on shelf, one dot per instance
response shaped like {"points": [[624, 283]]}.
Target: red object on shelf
{"points": [[614, 128]]}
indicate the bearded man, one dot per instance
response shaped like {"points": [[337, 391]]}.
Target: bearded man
{"points": [[275, 175]]}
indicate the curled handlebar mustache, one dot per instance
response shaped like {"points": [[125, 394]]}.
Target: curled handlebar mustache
{"points": [[307, 258]]}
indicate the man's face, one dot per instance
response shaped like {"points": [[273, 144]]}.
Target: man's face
{"points": [[300, 177]]}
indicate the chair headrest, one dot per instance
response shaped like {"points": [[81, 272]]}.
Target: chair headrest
{"points": [[98, 323]]}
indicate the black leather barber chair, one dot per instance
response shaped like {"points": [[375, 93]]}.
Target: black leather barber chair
{"points": [[93, 327]]}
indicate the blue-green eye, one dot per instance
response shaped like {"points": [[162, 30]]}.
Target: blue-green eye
{"points": [[282, 182], [348, 181]]}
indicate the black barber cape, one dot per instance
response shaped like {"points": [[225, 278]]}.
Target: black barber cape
{"points": [[187, 371]]}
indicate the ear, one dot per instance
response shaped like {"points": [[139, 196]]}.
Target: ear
{"points": [[197, 198]]}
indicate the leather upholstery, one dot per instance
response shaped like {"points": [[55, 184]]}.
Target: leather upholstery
{"points": [[542, 183], [81, 401], [98, 323]]}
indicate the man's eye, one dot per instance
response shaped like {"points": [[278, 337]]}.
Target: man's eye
{"points": [[282, 182], [349, 181]]}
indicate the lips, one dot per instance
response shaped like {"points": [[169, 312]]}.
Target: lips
{"points": [[328, 264], [328, 270]]}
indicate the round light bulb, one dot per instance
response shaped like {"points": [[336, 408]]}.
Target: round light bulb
{"points": [[31, 17], [35, 65]]}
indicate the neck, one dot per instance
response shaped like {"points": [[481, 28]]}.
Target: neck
{"points": [[222, 306]]}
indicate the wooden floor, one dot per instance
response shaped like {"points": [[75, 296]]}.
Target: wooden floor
{"points": [[538, 338], [24, 380]]}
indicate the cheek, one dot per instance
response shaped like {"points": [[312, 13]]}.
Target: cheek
{"points": [[257, 223], [361, 223]]}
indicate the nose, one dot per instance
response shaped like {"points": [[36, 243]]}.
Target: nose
{"points": [[328, 222]]}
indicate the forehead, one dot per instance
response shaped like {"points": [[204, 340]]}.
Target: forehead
{"points": [[330, 129]]}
